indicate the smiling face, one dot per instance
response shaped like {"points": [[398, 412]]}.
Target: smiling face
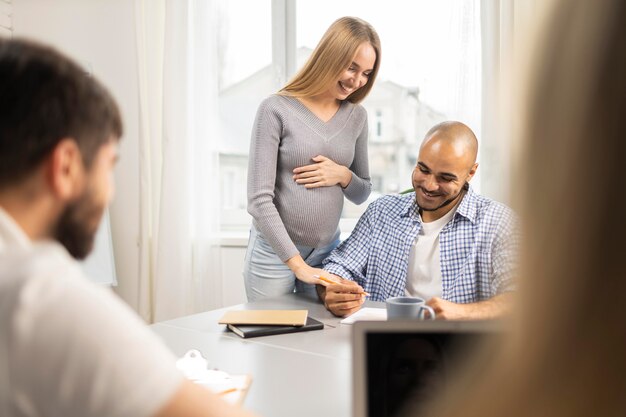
{"points": [[76, 228], [356, 75], [443, 168]]}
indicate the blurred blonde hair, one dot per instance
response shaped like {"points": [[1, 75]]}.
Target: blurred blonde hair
{"points": [[567, 352], [332, 56]]}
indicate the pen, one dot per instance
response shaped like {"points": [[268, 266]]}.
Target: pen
{"points": [[330, 281], [227, 391]]}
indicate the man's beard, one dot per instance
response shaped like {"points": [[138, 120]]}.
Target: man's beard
{"points": [[73, 227], [448, 201]]}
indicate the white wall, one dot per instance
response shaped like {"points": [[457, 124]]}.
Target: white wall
{"points": [[6, 24], [233, 289], [100, 34]]}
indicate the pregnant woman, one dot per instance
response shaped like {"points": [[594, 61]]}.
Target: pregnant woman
{"points": [[309, 150]]}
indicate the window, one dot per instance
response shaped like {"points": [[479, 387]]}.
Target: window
{"points": [[430, 72], [246, 77]]}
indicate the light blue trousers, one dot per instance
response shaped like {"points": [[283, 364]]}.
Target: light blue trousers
{"points": [[265, 275]]}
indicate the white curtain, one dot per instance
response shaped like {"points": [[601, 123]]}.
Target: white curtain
{"points": [[464, 68], [506, 26], [179, 270], [464, 72]]}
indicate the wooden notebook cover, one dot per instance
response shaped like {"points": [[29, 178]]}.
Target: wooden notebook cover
{"points": [[269, 317]]}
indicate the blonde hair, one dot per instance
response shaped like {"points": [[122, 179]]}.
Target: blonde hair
{"points": [[332, 55], [566, 356]]}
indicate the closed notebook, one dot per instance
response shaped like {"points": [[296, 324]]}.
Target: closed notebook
{"points": [[265, 330], [272, 317]]}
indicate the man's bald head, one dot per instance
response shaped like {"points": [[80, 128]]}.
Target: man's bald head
{"points": [[445, 165], [453, 138]]}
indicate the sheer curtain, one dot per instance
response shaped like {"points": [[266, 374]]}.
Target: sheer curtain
{"points": [[464, 67], [179, 270], [506, 26]]}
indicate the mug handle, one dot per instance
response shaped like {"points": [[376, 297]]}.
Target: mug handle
{"points": [[430, 310]]}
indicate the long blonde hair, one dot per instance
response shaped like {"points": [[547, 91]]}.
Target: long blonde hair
{"points": [[332, 55], [567, 353]]}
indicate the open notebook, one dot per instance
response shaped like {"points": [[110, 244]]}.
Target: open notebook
{"points": [[232, 388], [366, 314]]}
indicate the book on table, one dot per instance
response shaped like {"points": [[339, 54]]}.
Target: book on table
{"points": [[247, 331], [265, 317]]}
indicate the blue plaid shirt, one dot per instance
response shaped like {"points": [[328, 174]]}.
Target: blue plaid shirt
{"points": [[478, 248]]}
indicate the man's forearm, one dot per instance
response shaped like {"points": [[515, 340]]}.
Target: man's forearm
{"points": [[495, 307]]}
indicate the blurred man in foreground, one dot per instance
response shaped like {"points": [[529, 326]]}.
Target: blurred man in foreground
{"points": [[67, 347]]}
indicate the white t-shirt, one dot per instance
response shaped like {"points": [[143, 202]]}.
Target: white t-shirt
{"points": [[424, 277], [69, 347], [10, 233]]}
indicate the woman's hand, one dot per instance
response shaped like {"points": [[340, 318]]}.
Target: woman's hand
{"points": [[306, 273], [311, 275], [324, 173]]}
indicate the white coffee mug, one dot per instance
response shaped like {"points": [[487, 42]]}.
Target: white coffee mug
{"points": [[408, 308]]}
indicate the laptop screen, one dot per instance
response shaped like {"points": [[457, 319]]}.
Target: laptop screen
{"points": [[398, 366]]}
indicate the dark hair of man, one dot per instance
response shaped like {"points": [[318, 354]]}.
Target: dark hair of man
{"points": [[46, 97]]}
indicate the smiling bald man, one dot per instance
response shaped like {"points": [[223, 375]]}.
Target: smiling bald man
{"points": [[443, 242]]}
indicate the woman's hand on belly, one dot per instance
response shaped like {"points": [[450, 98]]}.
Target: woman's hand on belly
{"points": [[324, 173]]}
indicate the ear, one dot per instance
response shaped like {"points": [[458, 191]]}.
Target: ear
{"points": [[472, 172], [66, 172]]}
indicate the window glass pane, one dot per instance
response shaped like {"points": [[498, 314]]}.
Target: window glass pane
{"points": [[246, 77], [430, 72], [245, 39]]}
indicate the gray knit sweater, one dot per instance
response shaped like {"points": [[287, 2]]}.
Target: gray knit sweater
{"points": [[286, 135]]}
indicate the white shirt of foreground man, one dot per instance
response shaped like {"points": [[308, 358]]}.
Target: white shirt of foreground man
{"points": [[62, 337]]}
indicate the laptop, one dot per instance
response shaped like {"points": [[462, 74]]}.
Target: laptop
{"points": [[400, 365]]}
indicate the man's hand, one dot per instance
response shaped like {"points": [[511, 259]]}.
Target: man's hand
{"points": [[489, 309], [447, 310], [343, 298]]}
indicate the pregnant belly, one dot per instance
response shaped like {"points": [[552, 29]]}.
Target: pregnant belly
{"points": [[311, 216]]}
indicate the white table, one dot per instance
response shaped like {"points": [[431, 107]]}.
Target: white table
{"points": [[297, 374]]}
